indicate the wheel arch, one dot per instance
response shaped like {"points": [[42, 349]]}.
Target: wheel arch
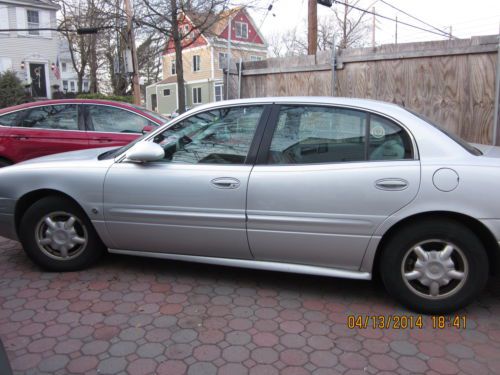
{"points": [[28, 199], [484, 234]]}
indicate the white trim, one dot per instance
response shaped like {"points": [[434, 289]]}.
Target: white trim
{"points": [[188, 49], [198, 81], [166, 84], [212, 68], [239, 45], [198, 98], [40, 5]]}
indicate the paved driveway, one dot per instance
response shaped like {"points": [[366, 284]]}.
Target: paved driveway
{"points": [[131, 315]]}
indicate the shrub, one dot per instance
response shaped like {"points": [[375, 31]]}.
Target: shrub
{"points": [[127, 99], [12, 90]]}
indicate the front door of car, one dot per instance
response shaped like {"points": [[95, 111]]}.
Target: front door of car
{"points": [[327, 177], [109, 126], [48, 129], [192, 201]]}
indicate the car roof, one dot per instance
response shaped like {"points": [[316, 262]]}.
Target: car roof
{"points": [[69, 101], [370, 104]]}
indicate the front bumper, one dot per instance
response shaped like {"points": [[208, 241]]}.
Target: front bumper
{"points": [[7, 223]]}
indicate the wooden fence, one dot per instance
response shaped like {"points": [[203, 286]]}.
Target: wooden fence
{"points": [[451, 82]]}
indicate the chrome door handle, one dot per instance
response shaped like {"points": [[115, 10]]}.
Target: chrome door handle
{"points": [[391, 184], [226, 183]]}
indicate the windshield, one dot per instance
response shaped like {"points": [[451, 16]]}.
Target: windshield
{"points": [[157, 116], [466, 145]]}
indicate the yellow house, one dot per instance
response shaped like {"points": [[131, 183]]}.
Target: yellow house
{"points": [[204, 58]]}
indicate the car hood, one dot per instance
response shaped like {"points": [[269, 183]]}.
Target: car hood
{"points": [[80, 155]]}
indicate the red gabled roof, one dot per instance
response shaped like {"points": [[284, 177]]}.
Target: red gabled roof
{"points": [[218, 28]]}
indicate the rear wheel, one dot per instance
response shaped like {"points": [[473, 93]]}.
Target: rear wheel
{"points": [[57, 235], [435, 266]]}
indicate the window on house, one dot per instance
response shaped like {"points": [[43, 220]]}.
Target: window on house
{"points": [[173, 68], [72, 86], [196, 63], [33, 22], [222, 60], [197, 95], [85, 85], [65, 85], [242, 30], [64, 67], [255, 58], [218, 93], [166, 92]]}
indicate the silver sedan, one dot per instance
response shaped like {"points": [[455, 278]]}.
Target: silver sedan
{"points": [[325, 186]]}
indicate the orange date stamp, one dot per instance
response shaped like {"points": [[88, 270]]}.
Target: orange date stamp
{"points": [[406, 321]]}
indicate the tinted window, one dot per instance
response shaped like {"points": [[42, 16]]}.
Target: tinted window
{"points": [[104, 118], [309, 134], [61, 117], [388, 141], [220, 136], [313, 134], [9, 119]]}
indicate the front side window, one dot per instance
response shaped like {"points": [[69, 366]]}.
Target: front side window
{"points": [[242, 30], [313, 134], [9, 119], [219, 136], [197, 95], [104, 118], [33, 22], [196, 63], [173, 70], [57, 117]]}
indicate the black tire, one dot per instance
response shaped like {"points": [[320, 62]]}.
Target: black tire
{"points": [[397, 254], [4, 163], [32, 225]]}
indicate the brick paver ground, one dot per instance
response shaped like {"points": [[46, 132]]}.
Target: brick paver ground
{"points": [[131, 315]]}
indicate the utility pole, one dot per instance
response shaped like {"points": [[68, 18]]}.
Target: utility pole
{"points": [[312, 28], [228, 56], [451, 32], [373, 28], [136, 89]]}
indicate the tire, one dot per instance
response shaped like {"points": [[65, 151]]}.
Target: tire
{"points": [[66, 244], [410, 275]]}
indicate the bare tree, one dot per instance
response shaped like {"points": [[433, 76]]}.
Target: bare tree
{"points": [[165, 18], [85, 49], [349, 26]]}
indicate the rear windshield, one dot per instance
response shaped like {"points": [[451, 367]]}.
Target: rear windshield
{"points": [[466, 145]]}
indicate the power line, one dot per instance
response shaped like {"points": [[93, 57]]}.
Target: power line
{"points": [[415, 18], [391, 19], [81, 31]]}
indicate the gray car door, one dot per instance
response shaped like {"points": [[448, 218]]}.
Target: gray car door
{"points": [[193, 201], [325, 179]]}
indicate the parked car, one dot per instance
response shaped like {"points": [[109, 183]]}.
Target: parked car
{"points": [[52, 126], [326, 186]]}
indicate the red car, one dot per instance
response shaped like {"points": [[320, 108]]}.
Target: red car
{"points": [[48, 127]]}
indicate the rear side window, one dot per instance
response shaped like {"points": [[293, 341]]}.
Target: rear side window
{"points": [[103, 118], [56, 117], [9, 119], [314, 134]]}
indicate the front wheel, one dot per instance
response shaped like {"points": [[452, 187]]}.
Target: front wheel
{"points": [[434, 267], [58, 236]]}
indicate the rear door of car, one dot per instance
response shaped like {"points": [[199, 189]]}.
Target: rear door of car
{"points": [[7, 150], [109, 126], [320, 189], [48, 129]]}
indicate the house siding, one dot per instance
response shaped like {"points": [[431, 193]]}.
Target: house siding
{"points": [[19, 48]]}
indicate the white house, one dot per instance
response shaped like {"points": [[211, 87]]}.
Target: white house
{"points": [[69, 77], [31, 54]]}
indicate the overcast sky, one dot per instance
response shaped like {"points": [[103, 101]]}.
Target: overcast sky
{"points": [[467, 18]]}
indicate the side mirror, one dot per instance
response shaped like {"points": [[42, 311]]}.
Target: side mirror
{"points": [[147, 129], [144, 152]]}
